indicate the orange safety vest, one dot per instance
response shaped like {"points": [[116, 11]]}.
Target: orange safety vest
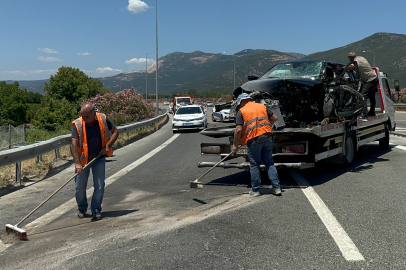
{"points": [[81, 128], [256, 121]]}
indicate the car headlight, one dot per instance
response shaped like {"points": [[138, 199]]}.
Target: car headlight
{"points": [[176, 119], [200, 118]]}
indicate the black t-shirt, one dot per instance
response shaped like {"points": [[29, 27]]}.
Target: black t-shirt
{"points": [[93, 135], [239, 120]]}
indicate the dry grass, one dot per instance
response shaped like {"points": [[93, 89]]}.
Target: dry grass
{"points": [[33, 170]]}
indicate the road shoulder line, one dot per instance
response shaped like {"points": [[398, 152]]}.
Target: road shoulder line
{"points": [[343, 241], [59, 211]]}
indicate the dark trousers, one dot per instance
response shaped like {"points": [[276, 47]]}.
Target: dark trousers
{"points": [[368, 90]]}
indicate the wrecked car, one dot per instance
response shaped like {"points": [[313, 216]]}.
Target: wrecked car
{"points": [[305, 92]]}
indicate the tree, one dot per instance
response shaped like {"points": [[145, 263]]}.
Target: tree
{"points": [[34, 97], [192, 92], [13, 108], [55, 114], [73, 85]]}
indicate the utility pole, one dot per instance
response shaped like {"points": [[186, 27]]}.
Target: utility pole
{"points": [[157, 62]]}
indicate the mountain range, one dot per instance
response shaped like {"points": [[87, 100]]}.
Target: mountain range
{"points": [[179, 72]]}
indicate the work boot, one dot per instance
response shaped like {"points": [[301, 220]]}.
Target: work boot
{"points": [[96, 216], [363, 116], [81, 213], [254, 193], [277, 191]]}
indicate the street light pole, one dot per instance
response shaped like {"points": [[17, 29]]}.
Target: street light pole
{"points": [[234, 71], [374, 55], [146, 75], [156, 51]]}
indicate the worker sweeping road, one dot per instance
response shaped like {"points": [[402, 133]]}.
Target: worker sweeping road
{"points": [[254, 128], [92, 134]]}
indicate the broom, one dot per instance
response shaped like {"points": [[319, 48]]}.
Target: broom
{"points": [[22, 234], [197, 184]]}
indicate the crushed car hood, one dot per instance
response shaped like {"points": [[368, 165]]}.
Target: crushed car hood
{"points": [[275, 85]]}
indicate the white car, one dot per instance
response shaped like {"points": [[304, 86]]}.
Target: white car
{"points": [[222, 116], [189, 117], [166, 102]]}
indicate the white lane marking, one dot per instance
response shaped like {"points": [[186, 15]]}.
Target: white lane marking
{"points": [[3, 246], [401, 147], [59, 211], [343, 241]]}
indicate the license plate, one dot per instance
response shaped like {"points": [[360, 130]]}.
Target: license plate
{"points": [[187, 124]]}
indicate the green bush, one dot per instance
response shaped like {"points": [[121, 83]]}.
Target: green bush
{"points": [[12, 104], [55, 114]]}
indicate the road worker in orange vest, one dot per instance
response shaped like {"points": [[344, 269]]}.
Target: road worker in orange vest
{"points": [[92, 134], [254, 128]]}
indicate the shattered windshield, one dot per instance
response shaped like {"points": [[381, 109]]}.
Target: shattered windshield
{"points": [[295, 70]]}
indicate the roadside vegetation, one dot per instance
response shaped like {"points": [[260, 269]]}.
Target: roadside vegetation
{"points": [[50, 115]]}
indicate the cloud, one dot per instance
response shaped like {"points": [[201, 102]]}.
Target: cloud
{"points": [[42, 71], [49, 59], [86, 53], [86, 71], [137, 6], [107, 70], [14, 72], [47, 50], [139, 61]]}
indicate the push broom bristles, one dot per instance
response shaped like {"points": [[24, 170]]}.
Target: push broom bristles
{"points": [[22, 235]]}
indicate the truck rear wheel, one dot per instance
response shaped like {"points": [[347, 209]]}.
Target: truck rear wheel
{"points": [[384, 142], [349, 150]]}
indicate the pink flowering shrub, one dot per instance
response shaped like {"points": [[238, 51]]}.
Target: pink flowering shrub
{"points": [[402, 95], [124, 107]]}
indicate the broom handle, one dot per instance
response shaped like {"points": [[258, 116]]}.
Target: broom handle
{"points": [[214, 166], [47, 199]]}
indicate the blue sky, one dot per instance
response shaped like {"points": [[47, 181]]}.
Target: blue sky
{"points": [[107, 37]]}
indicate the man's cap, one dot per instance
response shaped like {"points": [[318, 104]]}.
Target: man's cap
{"points": [[351, 54], [242, 97]]}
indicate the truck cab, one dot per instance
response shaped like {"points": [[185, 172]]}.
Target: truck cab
{"points": [[181, 101]]}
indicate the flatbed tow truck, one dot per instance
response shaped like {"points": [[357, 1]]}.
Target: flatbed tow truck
{"points": [[302, 147]]}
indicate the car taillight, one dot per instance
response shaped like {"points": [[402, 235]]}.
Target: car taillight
{"points": [[295, 148]]}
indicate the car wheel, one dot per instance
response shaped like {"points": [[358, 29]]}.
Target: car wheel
{"points": [[212, 118], [174, 131], [221, 118]]}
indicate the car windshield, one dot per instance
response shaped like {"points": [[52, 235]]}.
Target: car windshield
{"points": [[189, 110], [183, 100], [294, 70]]}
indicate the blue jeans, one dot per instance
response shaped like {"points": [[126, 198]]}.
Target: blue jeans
{"points": [[99, 175], [256, 153]]}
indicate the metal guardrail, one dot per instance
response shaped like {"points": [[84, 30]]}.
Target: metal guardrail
{"points": [[37, 149], [399, 105]]}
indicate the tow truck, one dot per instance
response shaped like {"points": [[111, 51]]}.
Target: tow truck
{"points": [[301, 147]]}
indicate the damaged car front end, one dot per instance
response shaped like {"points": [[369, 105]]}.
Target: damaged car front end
{"points": [[305, 92]]}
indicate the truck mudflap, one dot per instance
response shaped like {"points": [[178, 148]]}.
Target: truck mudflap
{"points": [[246, 165]]}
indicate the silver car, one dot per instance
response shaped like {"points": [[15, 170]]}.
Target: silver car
{"points": [[189, 117]]}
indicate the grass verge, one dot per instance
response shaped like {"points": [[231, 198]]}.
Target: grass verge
{"points": [[32, 170]]}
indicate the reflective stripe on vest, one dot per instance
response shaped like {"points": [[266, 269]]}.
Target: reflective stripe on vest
{"points": [[256, 121], [108, 133]]}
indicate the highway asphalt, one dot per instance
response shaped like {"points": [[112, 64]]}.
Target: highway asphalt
{"points": [[346, 218]]}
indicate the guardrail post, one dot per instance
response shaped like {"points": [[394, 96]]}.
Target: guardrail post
{"points": [[18, 172], [9, 136], [57, 155], [39, 158]]}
